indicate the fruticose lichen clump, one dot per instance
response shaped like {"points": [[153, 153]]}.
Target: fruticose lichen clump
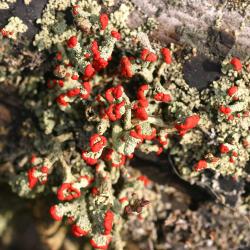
{"points": [[110, 96], [97, 192], [221, 143]]}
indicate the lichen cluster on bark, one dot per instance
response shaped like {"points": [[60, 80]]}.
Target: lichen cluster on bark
{"points": [[111, 93]]}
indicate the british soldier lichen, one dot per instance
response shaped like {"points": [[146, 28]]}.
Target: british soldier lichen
{"points": [[96, 60], [13, 28]]}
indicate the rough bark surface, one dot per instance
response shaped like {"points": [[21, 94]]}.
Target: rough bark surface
{"points": [[194, 22]]}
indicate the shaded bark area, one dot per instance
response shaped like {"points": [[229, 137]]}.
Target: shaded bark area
{"points": [[164, 172], [29, 226], [12, 143], [200, 71]]}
